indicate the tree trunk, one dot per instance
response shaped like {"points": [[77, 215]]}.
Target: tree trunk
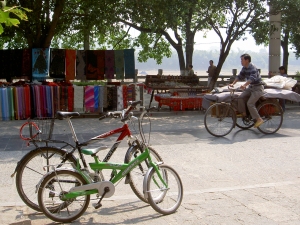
{"points": [[285, 49], [223, 55], [189, 49]]}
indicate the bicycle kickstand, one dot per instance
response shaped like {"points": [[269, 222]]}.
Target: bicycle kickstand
{"points": [[98, 204]]}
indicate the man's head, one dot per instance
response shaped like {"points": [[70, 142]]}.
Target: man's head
{"points": [[211, 62], [190, 66], [245, 60], [282, 70]]}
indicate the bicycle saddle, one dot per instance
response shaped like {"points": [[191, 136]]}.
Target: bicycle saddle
{"points": [[60, 114]]}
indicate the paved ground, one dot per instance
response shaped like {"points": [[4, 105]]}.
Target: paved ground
{"points": [[243, 178]]}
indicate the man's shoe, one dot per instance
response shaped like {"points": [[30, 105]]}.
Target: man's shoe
{"points": [[258, 123]]}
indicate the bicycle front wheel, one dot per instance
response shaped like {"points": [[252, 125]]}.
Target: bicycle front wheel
{"points": [[31, 169], [164, 195], [137, 175], [219, 119], [272, 114], [51, 191]]}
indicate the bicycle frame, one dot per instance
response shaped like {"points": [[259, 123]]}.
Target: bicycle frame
{"points": [[124, 169], [124, 132]]}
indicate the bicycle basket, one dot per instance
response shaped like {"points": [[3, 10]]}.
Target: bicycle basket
{"points": [[38, 129]]}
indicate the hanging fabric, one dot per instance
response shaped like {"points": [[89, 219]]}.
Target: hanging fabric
{"points": [[91, 69], [70, 64], [27, 64], [129, 63], [100, 63], [109, 64], [119, 64], [80, 64], [57, 63], [16, 57], [40, 63]]}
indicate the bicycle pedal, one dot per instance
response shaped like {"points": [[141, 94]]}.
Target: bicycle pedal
{"points": [[97, 205]]}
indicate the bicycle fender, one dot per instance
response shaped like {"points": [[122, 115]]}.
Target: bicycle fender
{"points": [[145, 182], [36, 149], [126, 160], [42, 179]]}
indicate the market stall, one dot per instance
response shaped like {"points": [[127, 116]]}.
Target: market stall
{"points": [[177, 92]]}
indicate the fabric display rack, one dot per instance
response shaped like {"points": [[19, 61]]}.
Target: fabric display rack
{"points": [[31, 101], [40, 98], [68, 64], [177, 92]]}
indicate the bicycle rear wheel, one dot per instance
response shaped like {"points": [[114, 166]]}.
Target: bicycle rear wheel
{"points": [[164, 197], [272, 114], [137, 174], [31, 169], [51, 191], [219, 119]]}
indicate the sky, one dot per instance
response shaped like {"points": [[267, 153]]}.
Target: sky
{"points": [[212, 41]]}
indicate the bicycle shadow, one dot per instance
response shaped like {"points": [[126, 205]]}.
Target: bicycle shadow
{"points": [[106, 212]]}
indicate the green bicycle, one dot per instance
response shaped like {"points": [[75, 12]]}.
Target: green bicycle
{"points": [[64, 194]]}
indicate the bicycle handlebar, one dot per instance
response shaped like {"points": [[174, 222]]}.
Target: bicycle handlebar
{"points": [[124, 113]]}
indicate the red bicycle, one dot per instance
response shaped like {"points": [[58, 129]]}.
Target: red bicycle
{"points": [[30, 168]]}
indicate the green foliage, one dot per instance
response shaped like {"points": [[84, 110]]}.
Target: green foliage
{"points": [[7, 20]]}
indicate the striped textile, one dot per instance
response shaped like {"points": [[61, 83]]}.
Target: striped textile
{"points": [[120, 104], [89, 101], [101, 93], [70, 64], [129, 62], [119, 64], [49, 101], [105, 103], [64, 98], [109, 64], [4, 104], [27, 100], [125, 96], [96, 98], [70, 98], [78, 98], [11, 108]]}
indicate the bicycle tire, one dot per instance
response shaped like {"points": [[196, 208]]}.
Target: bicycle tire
{"points": [[164, 200], [136, 176], [50, 202], [30, 171], [272, 114], [219, 119]]}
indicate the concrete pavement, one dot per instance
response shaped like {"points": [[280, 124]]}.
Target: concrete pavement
{"points": [[243, 178]]}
